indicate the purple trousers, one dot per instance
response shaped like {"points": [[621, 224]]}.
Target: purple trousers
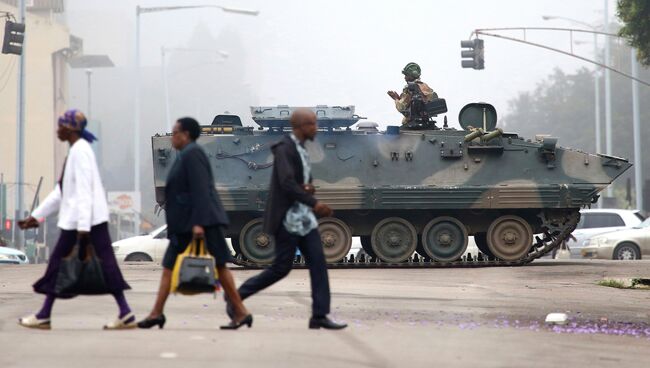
{"points": [[101, 241]]}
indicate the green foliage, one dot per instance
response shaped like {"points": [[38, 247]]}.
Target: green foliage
{"points": [[636, 16], [612, 283]]}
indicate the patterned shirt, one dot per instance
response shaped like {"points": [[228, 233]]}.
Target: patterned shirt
{"points": [[404, 102], [300, 219]]}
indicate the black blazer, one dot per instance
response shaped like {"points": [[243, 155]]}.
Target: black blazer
{"points": [[190, 196], [286, 184]]}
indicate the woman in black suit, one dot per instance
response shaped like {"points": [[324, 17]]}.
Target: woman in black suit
{"points": [[194, 211]]}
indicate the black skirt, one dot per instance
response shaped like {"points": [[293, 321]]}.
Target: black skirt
{"points": [[101, 241]]}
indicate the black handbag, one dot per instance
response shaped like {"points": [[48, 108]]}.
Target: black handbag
{"points": [[79, 276], [194, 271]]}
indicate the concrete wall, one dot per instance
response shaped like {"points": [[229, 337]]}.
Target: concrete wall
{"points": [[44, 154]]}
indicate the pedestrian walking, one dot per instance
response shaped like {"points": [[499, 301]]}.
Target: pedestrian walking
{"points": [[80, 199], [290, 218], [193, 211]]}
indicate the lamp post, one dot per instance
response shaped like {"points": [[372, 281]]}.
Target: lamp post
{"points": [[638, 175], [608, 95], [20, 136], [136, 120], [163, 54], [596, 79]]}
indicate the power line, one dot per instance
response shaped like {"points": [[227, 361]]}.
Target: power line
{"points": [[524, 41], [11, 65]]}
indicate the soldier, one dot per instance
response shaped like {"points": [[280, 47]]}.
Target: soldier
{"points": [[412, 74]]}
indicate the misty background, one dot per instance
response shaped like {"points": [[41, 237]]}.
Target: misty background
{"points": [[337, 53]]}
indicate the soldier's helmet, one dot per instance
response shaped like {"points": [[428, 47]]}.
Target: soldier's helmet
{"points": [[412, 70]]}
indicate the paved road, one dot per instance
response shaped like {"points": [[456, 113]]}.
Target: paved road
{"points": [[482, 317]]}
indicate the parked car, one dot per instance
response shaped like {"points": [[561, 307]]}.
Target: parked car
{"points": [[144, 248], [12, 256], [598, 221], [624, 244]]}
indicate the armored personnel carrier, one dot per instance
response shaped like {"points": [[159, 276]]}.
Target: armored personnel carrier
{"points": [[414, 195]]}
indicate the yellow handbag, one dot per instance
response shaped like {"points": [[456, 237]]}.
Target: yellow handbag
{"points": [[194, 271]]}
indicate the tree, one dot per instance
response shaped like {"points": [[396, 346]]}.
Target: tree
{"points": [[636, 16]]}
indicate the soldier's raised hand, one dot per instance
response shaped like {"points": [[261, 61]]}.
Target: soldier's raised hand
{"points": [[394, 95]]}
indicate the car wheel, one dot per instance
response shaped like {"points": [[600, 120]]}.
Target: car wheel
{"points": [[138, 257], [627, 252]]}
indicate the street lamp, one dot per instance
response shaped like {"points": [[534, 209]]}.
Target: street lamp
{"points": [[145, 10], [89, 62], [596, 82], [638, 174], [163, 51]]}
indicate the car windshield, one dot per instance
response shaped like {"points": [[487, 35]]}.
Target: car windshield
{"points": [[645, 223], [160, 232]]}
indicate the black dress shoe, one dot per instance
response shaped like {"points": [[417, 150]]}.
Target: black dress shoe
{"points": [[326, 323], [151, 322], [248, 320]]}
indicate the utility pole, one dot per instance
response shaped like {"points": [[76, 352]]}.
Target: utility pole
{"points": [[608, 94], [89, 74], [20, 136], [638, 175], [136, 135]]}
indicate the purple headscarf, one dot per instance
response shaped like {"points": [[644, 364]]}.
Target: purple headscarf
{"points": [[76, 120]]}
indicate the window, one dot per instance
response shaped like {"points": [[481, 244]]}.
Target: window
{"points": [[162, 234], [595, 220]]}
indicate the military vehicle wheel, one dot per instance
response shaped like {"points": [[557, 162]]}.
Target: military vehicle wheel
{"points": [[336, 237], [256, 246], [481, 243], [366, 244], [394, 239], [509, 238], [444, 239]]}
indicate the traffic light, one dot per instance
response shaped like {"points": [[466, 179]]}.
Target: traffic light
{"points": [[7, 228], [473, 57], [13, 39]]}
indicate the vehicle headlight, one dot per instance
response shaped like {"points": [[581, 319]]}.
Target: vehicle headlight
{"points": [[116, 248]]}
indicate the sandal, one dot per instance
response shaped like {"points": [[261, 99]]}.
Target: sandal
{"points": [[124, 323]]}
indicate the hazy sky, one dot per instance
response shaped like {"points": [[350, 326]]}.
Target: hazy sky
{"points": [[351, 52]]}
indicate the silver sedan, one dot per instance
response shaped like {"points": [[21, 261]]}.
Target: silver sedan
{"points": [[625, 244]]}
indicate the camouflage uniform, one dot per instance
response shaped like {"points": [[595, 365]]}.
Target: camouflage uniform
{"points": [[404, 103]]}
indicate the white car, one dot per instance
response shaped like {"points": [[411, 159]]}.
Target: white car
{"points": [[143, 248], [12, 256], [597, 221]]}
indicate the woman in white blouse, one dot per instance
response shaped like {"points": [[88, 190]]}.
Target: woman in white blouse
{"points": [[80, 199]]}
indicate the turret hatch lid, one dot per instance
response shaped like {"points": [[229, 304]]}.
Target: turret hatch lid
{"points": [[478, 115]]}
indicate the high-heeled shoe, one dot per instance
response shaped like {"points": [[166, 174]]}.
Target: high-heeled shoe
{"points": [[151, 322], [248, 320]]}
